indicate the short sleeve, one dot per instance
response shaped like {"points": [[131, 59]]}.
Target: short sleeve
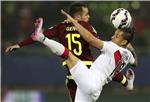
{"points": [[105, 46], [132, 59]]}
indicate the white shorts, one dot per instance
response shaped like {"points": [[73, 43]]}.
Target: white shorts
{"points": [[88, 84]]}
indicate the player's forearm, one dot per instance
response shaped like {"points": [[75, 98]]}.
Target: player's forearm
{"points": [[130, 47], [88, 36], [26, 42], [84, 33]]}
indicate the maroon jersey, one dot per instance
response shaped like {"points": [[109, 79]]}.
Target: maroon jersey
{"points": [[68, 35]]}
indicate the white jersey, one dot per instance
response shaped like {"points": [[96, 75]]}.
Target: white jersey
{"points": [[91, 81], [112, 59]]}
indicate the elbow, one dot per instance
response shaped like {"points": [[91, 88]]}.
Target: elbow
{"points": [[135, 64]]}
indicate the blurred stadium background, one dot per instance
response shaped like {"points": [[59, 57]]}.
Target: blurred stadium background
{"points": [[33, 74]]}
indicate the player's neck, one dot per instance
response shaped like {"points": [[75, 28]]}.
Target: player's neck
{"points": [[117, 43]]}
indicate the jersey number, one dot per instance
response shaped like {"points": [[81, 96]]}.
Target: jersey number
{"points": [[71, 39]]}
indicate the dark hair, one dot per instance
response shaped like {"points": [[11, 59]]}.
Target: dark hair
{"points": [[76, 7], [129, 34]]}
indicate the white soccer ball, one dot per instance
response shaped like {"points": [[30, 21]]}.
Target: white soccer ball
{"points": [[121, 18]]}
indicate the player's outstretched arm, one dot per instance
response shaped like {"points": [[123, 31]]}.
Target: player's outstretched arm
{"points": [[12, 48], [85, 33], [130, 47], [20, 44]]}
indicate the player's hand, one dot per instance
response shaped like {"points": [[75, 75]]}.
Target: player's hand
{"points": [[130, 47], [69, 18], [67, 21], [12, 48]]}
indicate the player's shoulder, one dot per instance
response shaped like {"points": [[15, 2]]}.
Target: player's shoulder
{"points": [[61, 23], [58, 25], [69, 23], [84, 23], [87, 24], [110, 43], [125, 51], [112, 46]]}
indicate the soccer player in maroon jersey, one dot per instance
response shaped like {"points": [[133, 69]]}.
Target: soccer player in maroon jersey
{"points": [[68, 35]]}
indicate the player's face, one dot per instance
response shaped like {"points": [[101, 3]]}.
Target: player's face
{"points": [[118, 37], [85, 15]]}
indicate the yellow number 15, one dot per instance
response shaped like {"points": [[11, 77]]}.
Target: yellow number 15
{"points": [[71, 39]]}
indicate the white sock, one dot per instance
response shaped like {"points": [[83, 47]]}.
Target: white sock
{"points": [[56, 47]]}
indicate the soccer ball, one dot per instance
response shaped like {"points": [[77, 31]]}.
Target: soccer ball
{"points": [[121, 18]]}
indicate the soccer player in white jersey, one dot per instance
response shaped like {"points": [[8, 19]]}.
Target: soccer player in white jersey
{"points": [[113, 59]]}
